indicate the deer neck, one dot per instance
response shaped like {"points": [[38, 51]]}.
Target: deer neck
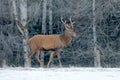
{"points": [[65, 38]]}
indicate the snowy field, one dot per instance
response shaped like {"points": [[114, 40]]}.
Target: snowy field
{"points": [[59, 74]]}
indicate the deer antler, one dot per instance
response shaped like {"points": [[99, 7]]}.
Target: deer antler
{"points": [[65, 24], [63, 21], [71, 22]]}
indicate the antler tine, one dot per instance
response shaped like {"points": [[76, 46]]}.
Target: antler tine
{"points": [[71, 22], [70, 19], [62, 20]]}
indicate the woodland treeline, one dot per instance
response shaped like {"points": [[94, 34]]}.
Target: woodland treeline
{"points": [[100, 19]]}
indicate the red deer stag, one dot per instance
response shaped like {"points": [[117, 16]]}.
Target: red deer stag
{"points": [[52, 43]]}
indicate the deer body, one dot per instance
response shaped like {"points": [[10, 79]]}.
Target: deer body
{"points": [[49, 42], [52, 43]]}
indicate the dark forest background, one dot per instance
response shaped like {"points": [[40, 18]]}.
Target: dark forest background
{"points": [[44, 18]]}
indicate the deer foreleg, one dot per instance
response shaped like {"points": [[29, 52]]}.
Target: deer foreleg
{"points": [[51, 57], [58, 56]]}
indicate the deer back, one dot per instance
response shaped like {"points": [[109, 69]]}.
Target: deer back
{"points": [[46, 42]]}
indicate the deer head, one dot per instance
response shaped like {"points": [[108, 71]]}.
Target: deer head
{"points": [[69, 28]]}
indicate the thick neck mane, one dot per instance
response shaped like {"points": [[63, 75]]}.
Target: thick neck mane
{"points": [[65, 38]]}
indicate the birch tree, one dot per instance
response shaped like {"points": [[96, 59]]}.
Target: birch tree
{"points": [[96, 51], [44, 16], [50, 16], [22, 25], [23, 9]]}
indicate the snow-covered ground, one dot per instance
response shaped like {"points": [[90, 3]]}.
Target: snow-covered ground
{"points": [[59, 74]]}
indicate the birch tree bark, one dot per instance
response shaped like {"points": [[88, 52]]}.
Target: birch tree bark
{"points": [[50, 16], [23, 9], [44, 16], [23, 25], [97, 62]]}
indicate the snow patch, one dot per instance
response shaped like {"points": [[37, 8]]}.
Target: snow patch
{"points": [[59, 73]]}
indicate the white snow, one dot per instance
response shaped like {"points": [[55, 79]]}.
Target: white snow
{"points": [[59, 74]]}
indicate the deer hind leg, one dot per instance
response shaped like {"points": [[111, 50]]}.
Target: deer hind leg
{"points": [[58, 56], [38, 59], [31, 53], [51, 57]]}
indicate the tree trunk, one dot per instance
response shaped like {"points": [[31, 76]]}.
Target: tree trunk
{"points": [[97, 62], [50, 17], [23, 15], [14, 10], [44, 16], [23, 27]]}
